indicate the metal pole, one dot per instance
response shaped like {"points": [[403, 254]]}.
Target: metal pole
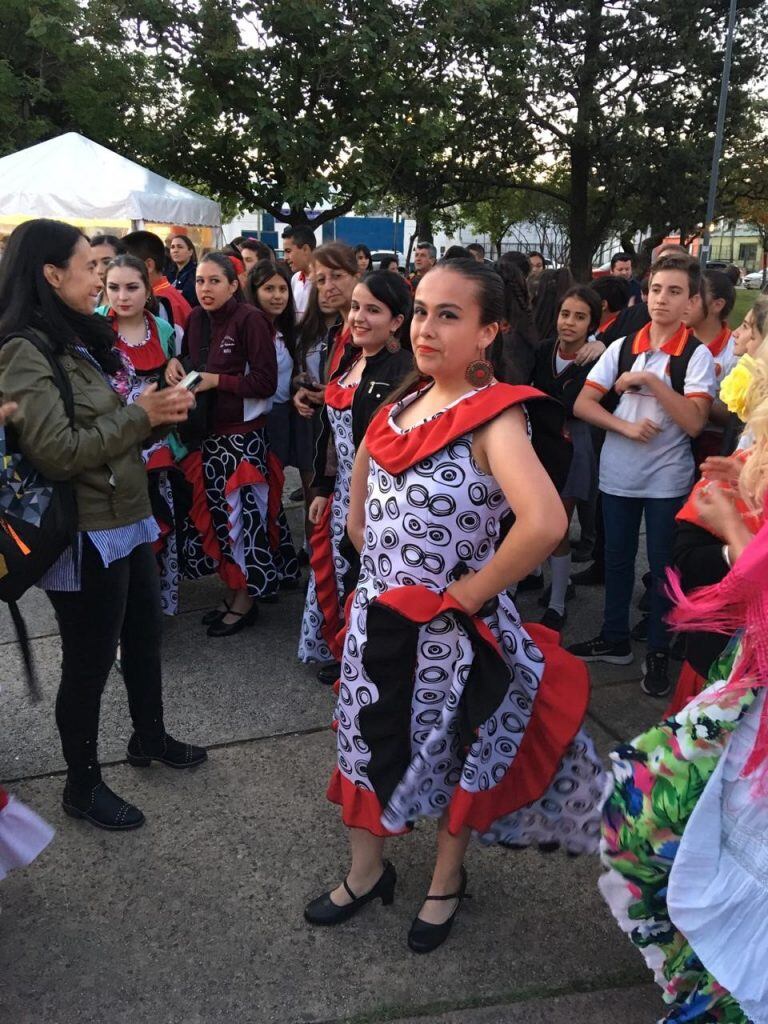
{"points": [[714, 175]]}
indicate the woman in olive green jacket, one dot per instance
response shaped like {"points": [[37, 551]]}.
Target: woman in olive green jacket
{"points": [[104, 588]]}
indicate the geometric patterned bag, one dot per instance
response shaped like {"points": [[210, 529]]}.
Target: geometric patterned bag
{"points": [[38, 517]]}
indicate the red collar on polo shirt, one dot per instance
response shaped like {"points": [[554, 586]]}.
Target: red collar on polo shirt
{"points": [[672, 346], [718, 344], [302, 276], [608, 322]]}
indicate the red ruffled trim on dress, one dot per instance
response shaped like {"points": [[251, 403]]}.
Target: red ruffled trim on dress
{"points": [[397, 452], [689, 685], [557, 715], [360, 808], [338, 397], [321, 562], [200, 514]]}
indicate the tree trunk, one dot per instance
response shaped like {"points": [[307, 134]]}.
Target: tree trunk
{"points": [[424, 225], [587, 111], [628, 245], [578, 215], [410, 250]]}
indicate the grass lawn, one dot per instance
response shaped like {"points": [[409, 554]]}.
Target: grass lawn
{"points": [[744, 301]]}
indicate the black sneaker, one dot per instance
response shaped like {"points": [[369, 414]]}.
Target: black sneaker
{"points": [[570, 593], [656, 681], [553, 620], [531, 582], [640, 630], [601, 650], [590, 577]]}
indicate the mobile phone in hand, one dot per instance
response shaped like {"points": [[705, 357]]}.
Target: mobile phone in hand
{"points": [[192, 380]]}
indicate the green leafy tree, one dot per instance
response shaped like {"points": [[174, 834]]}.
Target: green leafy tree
{"points": [[623, 99], [60, 71]]}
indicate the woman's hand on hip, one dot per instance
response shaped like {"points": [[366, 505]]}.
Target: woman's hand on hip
{"points": [[171, 405]]}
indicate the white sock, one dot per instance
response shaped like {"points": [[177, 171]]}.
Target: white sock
{"points": [[560, 566]]}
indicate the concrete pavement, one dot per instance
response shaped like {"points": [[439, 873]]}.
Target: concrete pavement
{"points": [[196, 918]]}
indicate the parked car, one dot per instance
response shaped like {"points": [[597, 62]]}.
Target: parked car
{"points": [[756, 279]]}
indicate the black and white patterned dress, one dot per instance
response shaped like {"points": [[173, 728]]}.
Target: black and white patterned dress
{"points": [[322, 609], [438, 710]]}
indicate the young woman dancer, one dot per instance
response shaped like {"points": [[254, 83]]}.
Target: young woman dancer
{"points": [[445, 708], [380, 306], [708, 319], [323, 339], [561, 372], [269, 289], [685, 828], [148, 342], [241, 520]]}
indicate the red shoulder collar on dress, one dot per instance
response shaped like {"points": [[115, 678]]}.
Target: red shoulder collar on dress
{"points": [[397, 452]]}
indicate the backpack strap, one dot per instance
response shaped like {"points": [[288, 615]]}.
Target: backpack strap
{"points": [[626, 356], [610, 399], [60, 378], [678, 365]]}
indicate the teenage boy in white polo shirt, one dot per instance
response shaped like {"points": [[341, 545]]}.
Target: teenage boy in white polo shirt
{"points": [[646, 465], [298, 246]]}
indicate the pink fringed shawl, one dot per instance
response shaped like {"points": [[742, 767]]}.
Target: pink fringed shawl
{"points": [[738, 602]]}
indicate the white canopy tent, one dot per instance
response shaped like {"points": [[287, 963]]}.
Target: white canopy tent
{"points": [[73, 179]]}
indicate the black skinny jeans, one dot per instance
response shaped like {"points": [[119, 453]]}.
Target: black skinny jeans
{"points": [[119, 602]]}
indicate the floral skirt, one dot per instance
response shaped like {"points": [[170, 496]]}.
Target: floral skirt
{"points": [[658, 780]]}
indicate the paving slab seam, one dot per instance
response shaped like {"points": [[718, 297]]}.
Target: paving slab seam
{"points": [[225, 745], [392, 1014]]}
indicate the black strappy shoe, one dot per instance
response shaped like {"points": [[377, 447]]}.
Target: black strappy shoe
{"points": [[324, 911], [423, 936], [222, 628], [215, 614]]}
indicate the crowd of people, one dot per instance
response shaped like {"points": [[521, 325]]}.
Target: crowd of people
{"points": [[446, 428]]}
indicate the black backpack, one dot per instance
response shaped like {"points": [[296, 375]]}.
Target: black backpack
{"points": [[38, 517], [678, 368]]}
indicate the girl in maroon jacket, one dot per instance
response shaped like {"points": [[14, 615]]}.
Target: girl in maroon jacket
{"points": [[241, 519]]}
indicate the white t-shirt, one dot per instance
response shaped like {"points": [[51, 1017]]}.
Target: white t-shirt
{"points": [[301, 286], [663, 467], [284, 370]]}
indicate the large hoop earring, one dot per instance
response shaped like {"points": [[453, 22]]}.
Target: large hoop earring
{"points": [[479, 373]]}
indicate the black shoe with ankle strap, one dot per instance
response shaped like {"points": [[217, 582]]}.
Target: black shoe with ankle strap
{"points": [[215, 614], [423, 936], [324, 911], [222, 628]]}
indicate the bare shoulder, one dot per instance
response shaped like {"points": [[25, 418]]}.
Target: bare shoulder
{"points": [[509, 425]]}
